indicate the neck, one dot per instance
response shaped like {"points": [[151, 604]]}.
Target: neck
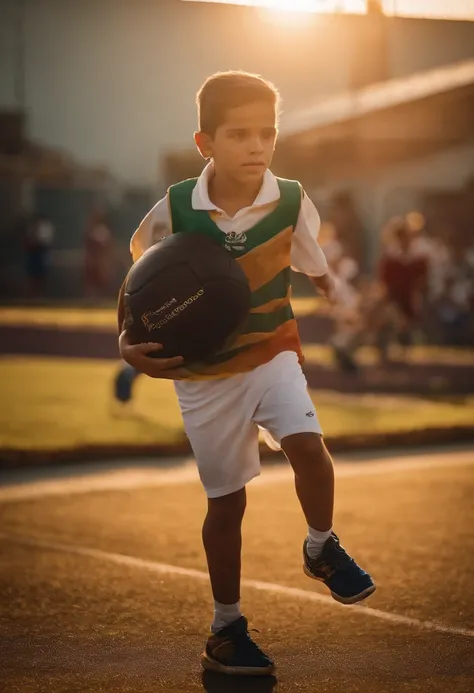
{"points": [[231, 195]]}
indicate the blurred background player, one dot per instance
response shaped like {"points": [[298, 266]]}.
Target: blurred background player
{"points": [[99, 256], [370, 319], [124, 381], [403, 270], [38, 243]]}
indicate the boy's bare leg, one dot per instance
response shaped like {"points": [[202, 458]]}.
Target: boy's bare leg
{"points": [[229, 649], [222, 538], [314, 477], [324, 558]]}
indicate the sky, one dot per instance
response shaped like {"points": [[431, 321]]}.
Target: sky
{"points": [[442, 9]]}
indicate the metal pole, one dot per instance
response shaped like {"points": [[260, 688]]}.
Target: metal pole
{"points": [[19, 19]]}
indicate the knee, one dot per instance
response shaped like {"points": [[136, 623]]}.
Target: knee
{"points": [[227, 511], [304, 449]]}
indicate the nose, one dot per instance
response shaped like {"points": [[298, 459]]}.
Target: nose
{"points": [[256, 145]]}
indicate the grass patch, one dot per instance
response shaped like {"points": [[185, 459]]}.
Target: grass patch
{"points": [[61, 317], [355, 414], [63, 403], [91, 317], [422, 354]]}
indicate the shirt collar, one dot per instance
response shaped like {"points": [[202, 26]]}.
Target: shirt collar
{"points": [[269, 192]]}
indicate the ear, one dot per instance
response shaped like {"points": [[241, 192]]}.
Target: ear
{"points": [[203, 144]]}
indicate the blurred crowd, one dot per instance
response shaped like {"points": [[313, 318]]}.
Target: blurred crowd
{"points": [[100, 256], [420, 291]]}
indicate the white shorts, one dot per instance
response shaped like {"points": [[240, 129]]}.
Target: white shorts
{"points": [[222, 418]]}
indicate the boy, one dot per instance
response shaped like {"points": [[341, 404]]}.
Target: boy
{"points": [[268, 225]]}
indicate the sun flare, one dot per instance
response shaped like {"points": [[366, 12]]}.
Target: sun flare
{"points": [[435, 9], [290, 6]]}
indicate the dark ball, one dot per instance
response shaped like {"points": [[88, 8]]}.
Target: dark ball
{"points": [[187, 293]]}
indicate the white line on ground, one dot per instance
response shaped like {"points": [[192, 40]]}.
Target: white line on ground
{"points": [[272, 588], [111, 480], [347, 470], [146, 477]]}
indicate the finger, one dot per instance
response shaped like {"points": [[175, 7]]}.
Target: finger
{"points": [[149, 347], [164, 364]]}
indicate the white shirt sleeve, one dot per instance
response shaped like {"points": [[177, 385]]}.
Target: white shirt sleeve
{"points": [[156, 225], [306, 254]]}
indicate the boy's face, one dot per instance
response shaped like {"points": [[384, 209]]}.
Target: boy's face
{"points": [[242, 147]]}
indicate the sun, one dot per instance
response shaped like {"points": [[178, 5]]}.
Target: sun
{"points": [[292, 5], [292, 8], [288, 7], [295, 12]]}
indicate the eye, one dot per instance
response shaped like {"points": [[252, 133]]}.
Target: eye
{"points": [[238, 135], [268, 133]]}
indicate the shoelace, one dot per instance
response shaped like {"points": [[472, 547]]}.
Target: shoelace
{"points": [[248, 644], [338, 557], [334, 556]]}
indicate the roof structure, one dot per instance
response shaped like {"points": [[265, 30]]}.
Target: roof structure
{"points": [[378, 97]]}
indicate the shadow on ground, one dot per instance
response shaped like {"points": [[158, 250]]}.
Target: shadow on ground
{"points": [[220, 683]]}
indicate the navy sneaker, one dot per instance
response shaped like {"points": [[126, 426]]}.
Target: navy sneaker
{"points": [[232, 651], [348, 583]]}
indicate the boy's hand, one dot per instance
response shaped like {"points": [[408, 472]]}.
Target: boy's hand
{"points": [[138, 356], [329, 286]]}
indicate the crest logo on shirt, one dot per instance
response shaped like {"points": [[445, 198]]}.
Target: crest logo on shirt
{"points": [[235, 241]]}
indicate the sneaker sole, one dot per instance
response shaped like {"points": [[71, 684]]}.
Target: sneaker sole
{"points": [[343, 600], [213, 665]]}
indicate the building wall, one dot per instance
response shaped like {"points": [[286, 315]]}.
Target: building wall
{"points": [[417, 45], [113, 81], [8, 55]]}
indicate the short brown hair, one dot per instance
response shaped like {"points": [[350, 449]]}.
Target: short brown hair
{"points": [[231, 89]]}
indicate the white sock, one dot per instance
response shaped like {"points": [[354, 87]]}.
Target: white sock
{"points": [[224, 614], [316, 541]]}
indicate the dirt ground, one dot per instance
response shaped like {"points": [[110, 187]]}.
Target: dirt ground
{"points": [[104, 586]]}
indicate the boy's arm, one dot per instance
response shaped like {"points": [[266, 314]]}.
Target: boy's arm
{"points": [[138, 356], [307, 256], [121, 307], [325, 283], [154, 226]]}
